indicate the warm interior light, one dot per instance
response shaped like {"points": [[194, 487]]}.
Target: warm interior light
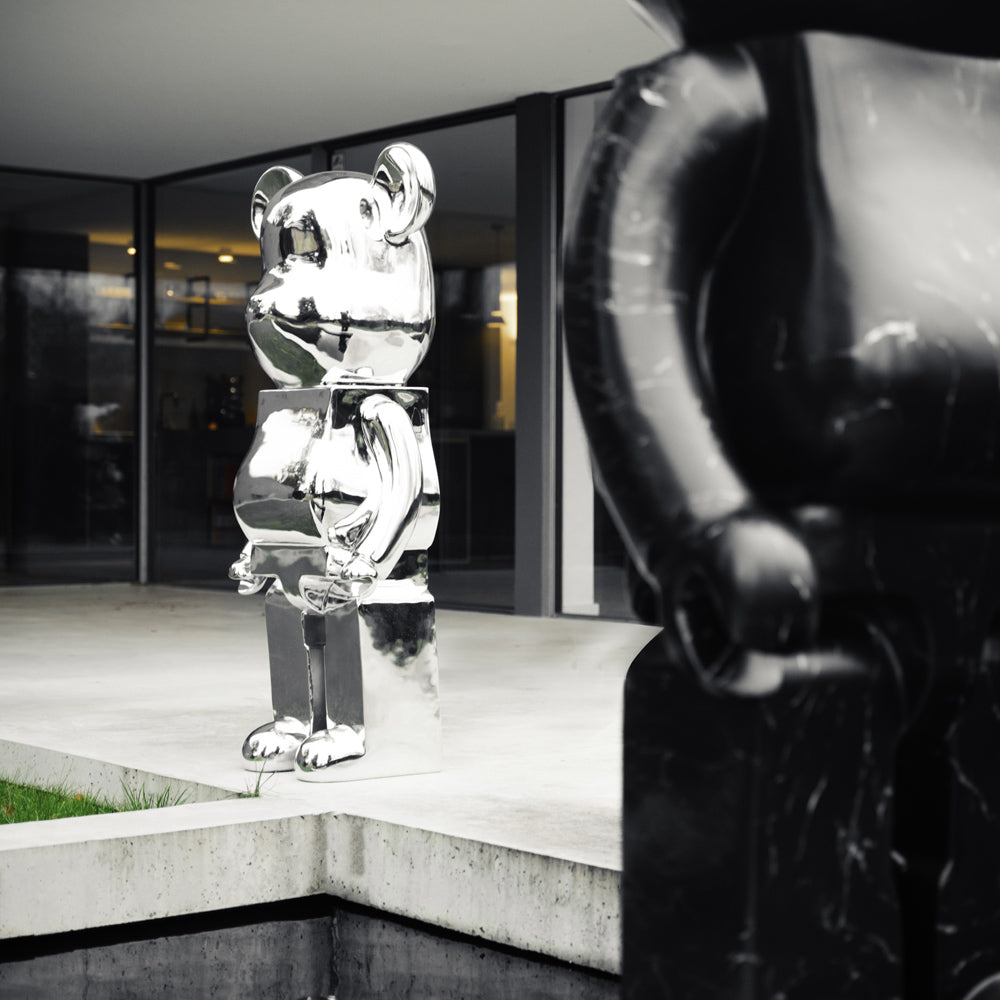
{"points": [[171, 265], [501, 353], [507, 313], [130, 251], [225, 257]]}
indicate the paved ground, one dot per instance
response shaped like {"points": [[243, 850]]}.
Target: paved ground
{"points": [[516, 839]]}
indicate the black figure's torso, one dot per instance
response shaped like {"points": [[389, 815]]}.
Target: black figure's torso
{"points": [[780, 309], [850, 332]]}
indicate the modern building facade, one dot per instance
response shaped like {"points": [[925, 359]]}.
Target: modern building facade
{"points": [[129, 390]]}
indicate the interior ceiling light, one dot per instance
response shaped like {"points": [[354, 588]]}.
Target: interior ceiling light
{"points": [[171, 265], [225, 256], [130, 251]]}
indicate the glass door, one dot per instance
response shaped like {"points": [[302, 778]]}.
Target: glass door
{"points": [[470, 367], [67, 368], [206, 378]]}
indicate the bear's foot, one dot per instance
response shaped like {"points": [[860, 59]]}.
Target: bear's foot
{"points": [[272, 747], [328, 747]]}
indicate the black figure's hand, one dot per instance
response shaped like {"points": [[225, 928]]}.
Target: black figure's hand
{"points": [[746, 583]]}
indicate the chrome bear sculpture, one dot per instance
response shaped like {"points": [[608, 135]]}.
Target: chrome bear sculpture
{"points": [[338, 495]]}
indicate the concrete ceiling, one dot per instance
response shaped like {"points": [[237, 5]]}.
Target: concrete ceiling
{"points": [[132, 89]]}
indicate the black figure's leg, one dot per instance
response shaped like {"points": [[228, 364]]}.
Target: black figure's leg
{"points": [[947, 776], [757, 828], [968, 887], [922, 810]]}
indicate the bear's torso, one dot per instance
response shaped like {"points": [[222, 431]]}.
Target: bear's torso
{"points": [[851, 328], [308, 468]]}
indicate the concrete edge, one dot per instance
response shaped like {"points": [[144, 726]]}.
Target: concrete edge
{"points": [[36, 765], [113, 869], [550, 906]]}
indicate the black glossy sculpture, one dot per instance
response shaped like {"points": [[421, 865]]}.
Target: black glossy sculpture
{"points": [[783, 318]]}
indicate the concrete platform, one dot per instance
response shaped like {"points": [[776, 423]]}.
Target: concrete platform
{"points": [[516, 841]]}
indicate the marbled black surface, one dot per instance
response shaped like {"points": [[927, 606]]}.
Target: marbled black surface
{"points": [[784, 333], [837, 835]]}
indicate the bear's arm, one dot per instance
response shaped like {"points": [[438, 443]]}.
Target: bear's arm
{"points": [[380, 529], [669, 169]]}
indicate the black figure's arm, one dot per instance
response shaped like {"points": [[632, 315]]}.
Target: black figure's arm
{"points": [[670, 167]]}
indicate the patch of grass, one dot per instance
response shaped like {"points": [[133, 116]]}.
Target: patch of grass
{"points": [[22, 803], [254, 793], [138, 798]]}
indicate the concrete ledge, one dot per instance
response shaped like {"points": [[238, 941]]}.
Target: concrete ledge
{"points": [[34, 765], [516, 841], [98, 871], [533, 902]]}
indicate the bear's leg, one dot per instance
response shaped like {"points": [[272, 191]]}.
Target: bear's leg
{"points": [[335, 690], [387, 650], [272, 746], [758, 827]]}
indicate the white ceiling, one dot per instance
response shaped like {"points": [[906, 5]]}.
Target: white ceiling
{"points": [[130, 88]]}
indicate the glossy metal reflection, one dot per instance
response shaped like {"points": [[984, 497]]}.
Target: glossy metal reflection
{"points": [[272, 746], [338, 495], [347, 293], [337, 484]]}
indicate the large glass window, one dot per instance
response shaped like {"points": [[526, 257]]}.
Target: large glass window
{"points": [[206, 378], [67, 337], [67, 380]]}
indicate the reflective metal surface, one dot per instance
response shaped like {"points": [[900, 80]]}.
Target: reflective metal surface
{"points": [[337, 484], [347, 293], [272, 746], [338, 495]]}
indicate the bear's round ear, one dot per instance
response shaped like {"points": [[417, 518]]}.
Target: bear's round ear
{"points": [[405, 175], [663, 17], [271, 182]]}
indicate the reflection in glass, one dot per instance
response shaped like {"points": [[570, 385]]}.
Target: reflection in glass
{"points": [[67, 358], [594, 563], [206, 379], [470, 366]]}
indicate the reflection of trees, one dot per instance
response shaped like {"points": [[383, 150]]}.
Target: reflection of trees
{"points": [[56, 308], [400, 632]]}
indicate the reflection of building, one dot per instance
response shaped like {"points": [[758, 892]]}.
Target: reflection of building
{"points": [[129, 392]]}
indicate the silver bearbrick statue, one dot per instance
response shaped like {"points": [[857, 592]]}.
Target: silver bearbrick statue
{"points": [[338, 495]]}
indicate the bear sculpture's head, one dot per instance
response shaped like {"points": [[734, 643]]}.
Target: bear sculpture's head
{"points": [[961, 26], [347, 292]]}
